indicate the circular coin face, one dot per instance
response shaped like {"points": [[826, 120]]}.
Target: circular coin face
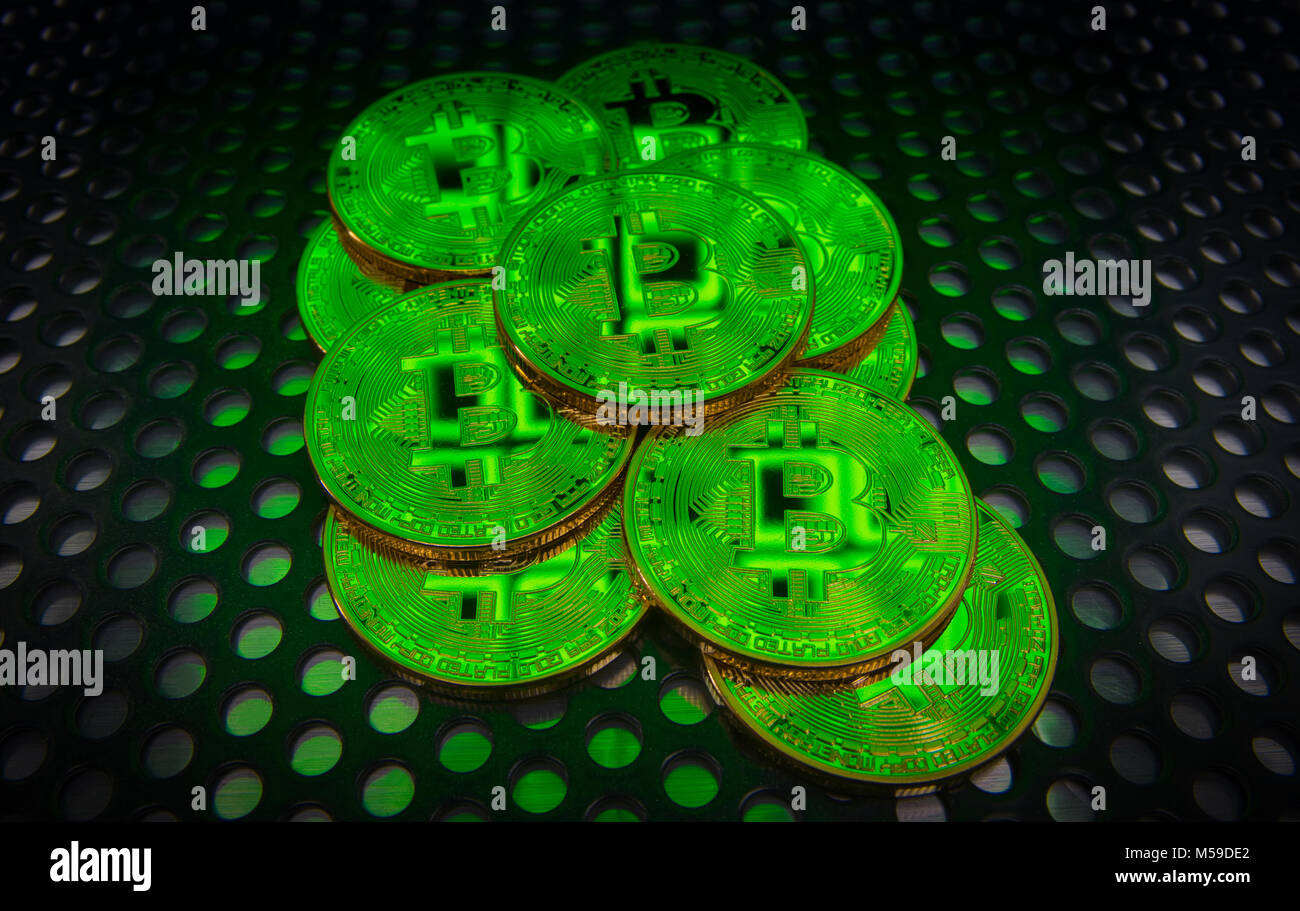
{"points": [[659, 99], [668, 283], [417, 426], [947, 710], [434, 175], [890, 368], [811, 533], [333, 295], [848, 237], [504, 634]]}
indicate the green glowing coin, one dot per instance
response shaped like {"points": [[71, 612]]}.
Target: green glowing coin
{"points": [[890, 368], [497, 635], [445, 167], [333, 295], [850, 241], [417, 426], [928, 722], [667, 282], [808, 535], [660, 99]]}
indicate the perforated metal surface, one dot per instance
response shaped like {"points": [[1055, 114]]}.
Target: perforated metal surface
{"points": [[1070, 412]]}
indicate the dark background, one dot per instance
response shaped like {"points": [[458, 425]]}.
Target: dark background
{"points": [[1069, 412]]}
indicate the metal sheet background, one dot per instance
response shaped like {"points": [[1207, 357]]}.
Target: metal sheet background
{"points": [[1125, 142]]}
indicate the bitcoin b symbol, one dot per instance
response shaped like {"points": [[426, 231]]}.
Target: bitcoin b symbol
{"points": [[677, 119], [651, 284], [802, 493], [466, 427], [477, 167]]}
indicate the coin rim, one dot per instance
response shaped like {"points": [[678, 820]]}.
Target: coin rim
{"points": [[912, 352], [844, 358], [314, 327], [582, 410], [391, 272], [482, 561]]}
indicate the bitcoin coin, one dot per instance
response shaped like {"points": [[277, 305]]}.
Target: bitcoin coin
{"points": [[672, 284], [967, 698], [659, 99], [442, 169], [891, 366], [810, 534], [417, 426], [500, 635], [849, 239], [333, 295]]}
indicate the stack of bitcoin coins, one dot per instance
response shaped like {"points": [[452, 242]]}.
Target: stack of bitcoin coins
{"points": [[621, 344]]}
